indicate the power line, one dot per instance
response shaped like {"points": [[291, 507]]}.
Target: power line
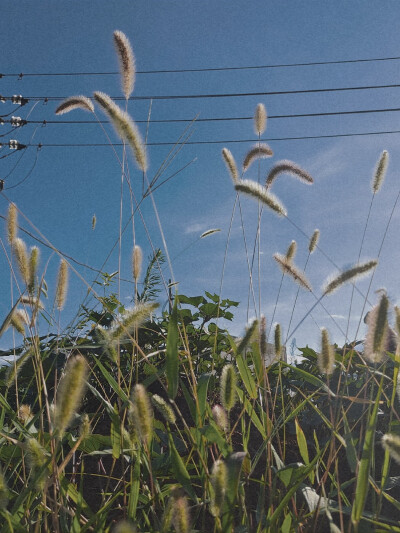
{"points": [[228, 95], [221, 119], [207, 69], [227, 141]]}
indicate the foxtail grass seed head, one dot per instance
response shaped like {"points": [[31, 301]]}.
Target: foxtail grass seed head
{"points": [[263, 337], [12, 223], [126, 62], [33, 267], [124, 126], [313, 241], [85, 428], [21, 256], [228, 387], [376, 339], [17, 323], [164, 408], [257, 191], [291, 251], [124, 527], [260, 119], [380, 172], [259, 151], [24, 413], [392, 443], [397, 319], [220, 417], [288, 167], [231, 164], [209, 232], [249, 336], [62, 284], [37, 459], [167, 516], [142, 414], [3, 491], [219, 481], [278, 341], [131, 320], [351, 274], [103, 338], [180, 515], [291, 270], [75, 102], [137, 258], [326, 358], [70, 392], [15, 367], [94, 222]]}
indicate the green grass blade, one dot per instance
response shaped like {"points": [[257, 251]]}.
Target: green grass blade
{"points": [[172, 362]]}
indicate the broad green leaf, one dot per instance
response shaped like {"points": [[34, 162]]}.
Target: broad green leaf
{"points": [[116, 434], [135, 487], [172, 361], [179, 469]]}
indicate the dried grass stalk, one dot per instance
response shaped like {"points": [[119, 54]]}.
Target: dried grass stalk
{"points": [[124, 126], [126, 62], [75, 102]]}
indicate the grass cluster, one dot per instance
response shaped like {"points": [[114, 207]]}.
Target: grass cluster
{"points": [[139, 420]]}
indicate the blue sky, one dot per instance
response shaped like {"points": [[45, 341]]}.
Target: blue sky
{"points": [[70, 184]]}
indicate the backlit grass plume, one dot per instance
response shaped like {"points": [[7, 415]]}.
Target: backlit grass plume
{"points": [[180, 514], [164, 408], [291, 251], [12, 225], [70, 392], [231, 164], [21, 256], [62, 284], [376, 338], [290, 269], [326, 357], [126, 62], [228, 387], [220, 417], [75, 102], [37, 458], [19, 320], [391, 443], [141, 414], [15, 366], [257, 191], [288, 167], [132, 319], [260, 119], [33, 267], [123, 526], [351, 274], [259, 151], [124, 126], [313, 241], [251, 332], [263, 337], [219, 480], [137, 258], [380, 172]]}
